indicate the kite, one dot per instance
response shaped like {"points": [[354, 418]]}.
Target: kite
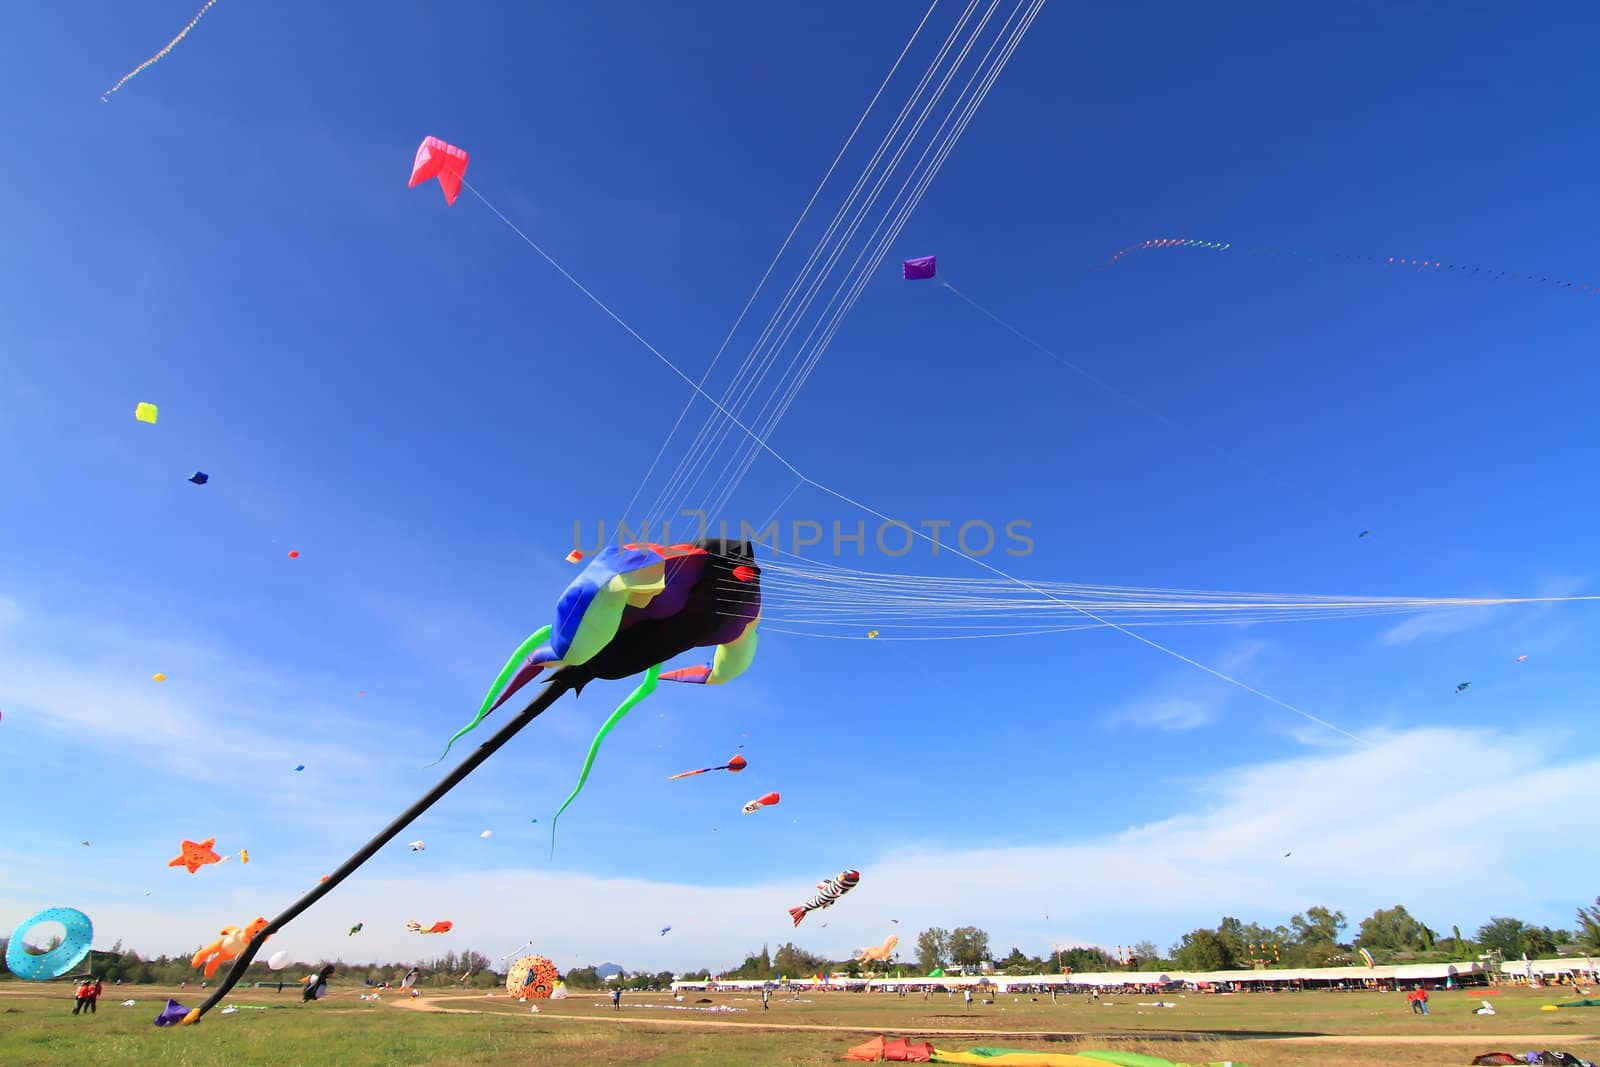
{"points": [[1461, 270], [664, 930], [158, 677], [172, 1014], [278, 960], [1462, 686], [244, 855], [356, 929], [418, 846], [145, 413], [880, 953], [441, 927], [1367, 957], [765, 801], [532, 976], [919, 268], [1522, 659], [199, 477], [435, 159], [736, 764], [195, 855], [871, 634], [486, 834], [294, 553], [227, 947], [575, 556], [60, 960], [827, 893], [1363, 535], [153, 60], [631, 609]]}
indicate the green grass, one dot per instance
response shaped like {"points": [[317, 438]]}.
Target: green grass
{"points": [[1262, 1030]]}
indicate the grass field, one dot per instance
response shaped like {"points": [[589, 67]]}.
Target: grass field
{"points": [[1259, 1030]]}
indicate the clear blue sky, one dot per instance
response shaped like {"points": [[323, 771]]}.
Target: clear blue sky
{"points": [[408, 396]]}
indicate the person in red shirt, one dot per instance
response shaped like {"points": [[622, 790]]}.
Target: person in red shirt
{"points": [[81, 998], [94, 995], [1422, 999], [1416, 1005]]}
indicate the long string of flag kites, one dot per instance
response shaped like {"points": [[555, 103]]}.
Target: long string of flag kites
{"points": [[1486, 273]]}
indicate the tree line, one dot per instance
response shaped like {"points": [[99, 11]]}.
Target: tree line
{"points": [[1313, 938]]}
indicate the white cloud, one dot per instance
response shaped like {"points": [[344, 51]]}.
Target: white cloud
{"points": [[1436, 624], [1175, 713], [1368, 828]]}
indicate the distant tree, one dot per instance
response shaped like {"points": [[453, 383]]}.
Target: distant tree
{"points": [[933, 948], [1085, 960], [1203, 950], [1145, 952], [1538, 941], [1318, 925], [1503, 935], [6, 941], [792, 961], [1588, 932], [583, 978], [969, 946], [1394, 928]]}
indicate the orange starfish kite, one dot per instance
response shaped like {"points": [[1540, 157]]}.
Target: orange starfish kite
{"points": [[196, 855]]}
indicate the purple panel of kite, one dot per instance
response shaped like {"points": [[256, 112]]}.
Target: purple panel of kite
{"points": [[919, 268]]}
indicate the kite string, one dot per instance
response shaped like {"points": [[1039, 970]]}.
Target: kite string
{"points": [[844, 498], [737, 322], [147, 64]]}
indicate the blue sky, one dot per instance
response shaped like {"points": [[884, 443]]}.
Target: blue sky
{"points": [[408, 396]]}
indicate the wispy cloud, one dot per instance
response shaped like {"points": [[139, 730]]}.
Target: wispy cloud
{"points": [[1436, 624], [1175, 713]]}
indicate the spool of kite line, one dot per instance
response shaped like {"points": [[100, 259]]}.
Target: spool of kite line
{"points": [[58, 961], [555, 690]]}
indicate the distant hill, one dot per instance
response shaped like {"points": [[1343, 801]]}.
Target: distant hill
{"points": [[606, 970]]}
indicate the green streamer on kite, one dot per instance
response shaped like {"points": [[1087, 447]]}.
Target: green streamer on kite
{"points": [[524, 650], [645, 688]]}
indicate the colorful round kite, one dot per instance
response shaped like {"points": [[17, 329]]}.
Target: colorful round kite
{"points": [[532, 976], [74, 948]]}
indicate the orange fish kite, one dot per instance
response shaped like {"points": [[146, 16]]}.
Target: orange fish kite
{"points": [[196, 855], [440, 927], [227, 947]]}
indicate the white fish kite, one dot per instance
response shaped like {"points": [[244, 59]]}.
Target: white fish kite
{"points": [[827, 893]]}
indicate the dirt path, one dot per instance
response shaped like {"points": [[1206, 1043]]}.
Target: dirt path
{"points": [[623, 1019]]}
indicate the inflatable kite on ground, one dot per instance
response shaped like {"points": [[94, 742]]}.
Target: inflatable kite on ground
{"points": [[435, 159], [316, 985], [1013, 1057], [195, 855], [172, 1014], [880, 953], [60, 960], [919, 268], [440, 927], [532, 976], [227, 947], [629, 610], [827, 893], [761, 802], [736, 764]]}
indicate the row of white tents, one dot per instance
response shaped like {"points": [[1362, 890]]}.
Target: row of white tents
{"points": [[1288, 977]]}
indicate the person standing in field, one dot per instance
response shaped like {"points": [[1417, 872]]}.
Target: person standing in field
{"points": [[616, 999], [1422, 999], [94, 995], [80, 998], [766, 995], [966, 995]]}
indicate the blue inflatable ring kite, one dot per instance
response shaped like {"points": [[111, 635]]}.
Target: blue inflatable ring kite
{"points": [[59, 960]]}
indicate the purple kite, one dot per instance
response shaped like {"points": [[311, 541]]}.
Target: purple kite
{"points": [[919, 268]]}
